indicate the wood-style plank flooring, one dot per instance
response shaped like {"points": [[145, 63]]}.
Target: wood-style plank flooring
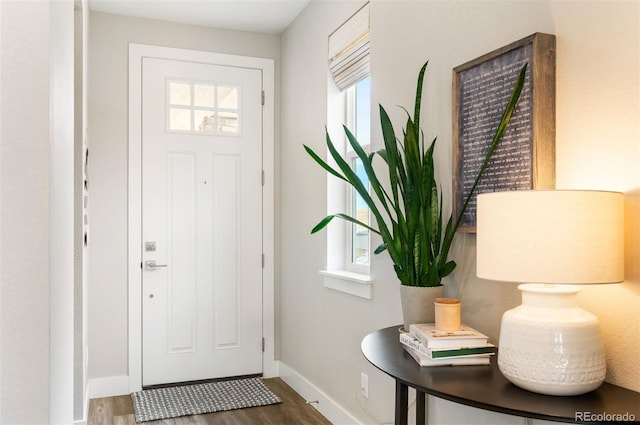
{"points": [[293, 410]]}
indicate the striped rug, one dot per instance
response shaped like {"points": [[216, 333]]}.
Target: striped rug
{"points": [[172, 402]]}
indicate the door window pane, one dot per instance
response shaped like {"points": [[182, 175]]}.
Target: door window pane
{"points": [[204, 95], [228, 122], [203, 108], [180, 94], [179, 119], [228, 97], [204, 121]]}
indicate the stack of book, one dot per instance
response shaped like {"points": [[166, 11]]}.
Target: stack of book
{"points": [[432, 347]]}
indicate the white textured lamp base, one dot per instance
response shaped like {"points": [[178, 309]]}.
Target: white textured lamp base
{"points": [[549, 345]]}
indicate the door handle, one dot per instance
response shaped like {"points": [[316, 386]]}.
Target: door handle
{"points": [[151, 264]]}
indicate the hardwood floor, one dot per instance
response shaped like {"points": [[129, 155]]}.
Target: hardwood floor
{"points": [[293, 410]]}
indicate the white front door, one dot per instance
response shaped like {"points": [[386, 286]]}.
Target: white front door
{"points": [[201, 221]]}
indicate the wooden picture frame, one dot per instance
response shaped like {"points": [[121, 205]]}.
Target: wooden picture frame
{"points": [[525, 157]]}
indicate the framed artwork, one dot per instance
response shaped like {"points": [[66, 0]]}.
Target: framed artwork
{"points": [[525, 157]]}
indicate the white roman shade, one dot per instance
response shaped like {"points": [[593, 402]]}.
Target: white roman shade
{"points": [[349, 50]]}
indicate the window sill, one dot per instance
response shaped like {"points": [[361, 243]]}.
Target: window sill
{"points": [[357, 284]]}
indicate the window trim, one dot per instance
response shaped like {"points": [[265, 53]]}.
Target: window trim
{"points": [[357, 284]]}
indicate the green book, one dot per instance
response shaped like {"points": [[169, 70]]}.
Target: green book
{"points": [[413, 342]]}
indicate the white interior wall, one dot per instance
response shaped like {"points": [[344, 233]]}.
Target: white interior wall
{"points": [[598, 146], [24, 213], [108, 100], [36, 212]]}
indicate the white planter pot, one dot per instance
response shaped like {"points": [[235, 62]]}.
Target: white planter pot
{"points": [[418, 303]]}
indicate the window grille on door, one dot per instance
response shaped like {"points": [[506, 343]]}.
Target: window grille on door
{"points": [[203, 108]]}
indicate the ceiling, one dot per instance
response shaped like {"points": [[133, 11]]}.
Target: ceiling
{"points": [[262, 16]]}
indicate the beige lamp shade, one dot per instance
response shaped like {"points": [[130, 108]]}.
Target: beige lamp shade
{"points": [[551, 236]]}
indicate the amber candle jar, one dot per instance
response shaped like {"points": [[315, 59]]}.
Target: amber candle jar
{"points": [[447, 314]]}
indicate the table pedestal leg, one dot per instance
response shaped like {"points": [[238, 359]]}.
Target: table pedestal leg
{"points": [[402, 403], [421, 400]]}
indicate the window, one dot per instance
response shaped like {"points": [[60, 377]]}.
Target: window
{"points": [[203, 108], [349, 103], [358, 119]]}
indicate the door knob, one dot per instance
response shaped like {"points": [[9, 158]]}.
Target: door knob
{"points": [[151, 264]]}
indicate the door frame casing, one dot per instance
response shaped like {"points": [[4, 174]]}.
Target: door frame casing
{"points": [[136, 54]]}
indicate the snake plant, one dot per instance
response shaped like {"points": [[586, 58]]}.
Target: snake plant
{"points": [[408, 213]]}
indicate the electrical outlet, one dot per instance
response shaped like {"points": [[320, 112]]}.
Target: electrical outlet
{"points": [[364, 385]]}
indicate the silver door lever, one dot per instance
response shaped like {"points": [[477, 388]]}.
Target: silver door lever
{"points": [[151, 264]]}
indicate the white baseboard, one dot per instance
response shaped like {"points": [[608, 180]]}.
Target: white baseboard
{"points": [[108, 387], [328, 407]]}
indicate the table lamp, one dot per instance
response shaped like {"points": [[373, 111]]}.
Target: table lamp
{"points": [[554, 240]]}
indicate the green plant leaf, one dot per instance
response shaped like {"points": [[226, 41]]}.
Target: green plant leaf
{"points": [[322, 224], [323, 164], [325, 221], [356, 221], [418, 103], [381, 248], [504, 122], [447, 268]]}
